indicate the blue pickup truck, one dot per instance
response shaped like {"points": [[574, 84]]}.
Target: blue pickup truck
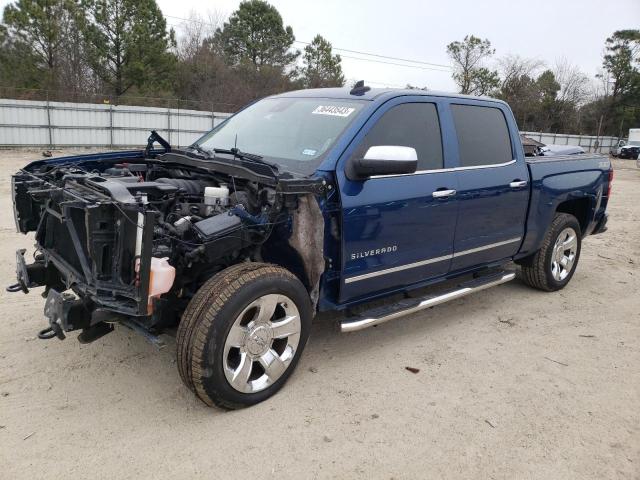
{"points": [[374, 203]]}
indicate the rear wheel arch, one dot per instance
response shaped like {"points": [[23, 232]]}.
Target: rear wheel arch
{"points": [[580, 208]]}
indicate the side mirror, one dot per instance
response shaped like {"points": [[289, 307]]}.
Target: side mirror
{"points": [[383, 160]]}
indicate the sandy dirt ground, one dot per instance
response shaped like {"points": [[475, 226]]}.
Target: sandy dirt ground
{"points": [[513, 383]]}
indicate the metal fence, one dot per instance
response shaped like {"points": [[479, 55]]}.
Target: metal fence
{"points": [[26, 123], [590, 143]]}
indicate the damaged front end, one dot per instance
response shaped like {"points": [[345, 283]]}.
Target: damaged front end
{"points": [[129, 238]]}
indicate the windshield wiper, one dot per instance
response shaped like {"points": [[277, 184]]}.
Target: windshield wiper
{"points": [[200, 150], [246, 156]]}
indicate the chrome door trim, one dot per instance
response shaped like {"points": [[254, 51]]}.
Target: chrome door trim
{"points": [[421, 263], [518, 184], [486, 247], [399, 268], [444, 170]]}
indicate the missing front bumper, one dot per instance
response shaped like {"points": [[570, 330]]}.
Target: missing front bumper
{"points": [[24, 281], [65, 313]]}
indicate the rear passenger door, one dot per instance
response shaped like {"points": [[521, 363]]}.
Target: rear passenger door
{"points": [[493, 190]]}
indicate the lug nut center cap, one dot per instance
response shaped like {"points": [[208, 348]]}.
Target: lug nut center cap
{"points": [[258, 340]]}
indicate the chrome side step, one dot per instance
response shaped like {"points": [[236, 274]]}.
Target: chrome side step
{"points": [[411, 305]]}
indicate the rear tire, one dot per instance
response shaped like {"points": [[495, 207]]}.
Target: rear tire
{"points": [[242, 334], [552, 267]]}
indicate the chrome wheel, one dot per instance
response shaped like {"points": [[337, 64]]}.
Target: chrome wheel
{"points": [[564, 254], [261, 343]]}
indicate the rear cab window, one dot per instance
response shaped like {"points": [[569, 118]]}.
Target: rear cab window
{"points": [[483, 135]]}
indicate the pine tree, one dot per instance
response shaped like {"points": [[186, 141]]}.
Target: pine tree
{"points": [[321, 68], [468, 57], [38, 29], [128, 45], [256, 35]]}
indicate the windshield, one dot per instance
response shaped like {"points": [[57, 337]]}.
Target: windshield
{"points": [[294, 133]]}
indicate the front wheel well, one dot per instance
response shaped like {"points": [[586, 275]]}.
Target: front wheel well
{"points": [[579, 208]]}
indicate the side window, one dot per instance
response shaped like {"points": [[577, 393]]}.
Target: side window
{"points": [[483, 135], [409, 125]]}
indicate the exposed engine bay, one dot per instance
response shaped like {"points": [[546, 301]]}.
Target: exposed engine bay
{"points": [[137, 237]]}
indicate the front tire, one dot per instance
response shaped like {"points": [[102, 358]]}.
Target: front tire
{"points": [[552, 267], [244, 335]]}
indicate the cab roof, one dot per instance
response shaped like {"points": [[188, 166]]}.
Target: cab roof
{"points": [[375, 94]]}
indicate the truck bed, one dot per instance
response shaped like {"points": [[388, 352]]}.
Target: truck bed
{"points": [[581, 179]]}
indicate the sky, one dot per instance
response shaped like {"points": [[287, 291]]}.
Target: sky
{"points": [[420, 30]]}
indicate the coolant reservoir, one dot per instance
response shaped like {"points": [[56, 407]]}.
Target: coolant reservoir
{"points": [[161, 278], [216, 195]]}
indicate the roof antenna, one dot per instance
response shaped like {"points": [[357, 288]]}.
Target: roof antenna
{"points": [[359, 88]]}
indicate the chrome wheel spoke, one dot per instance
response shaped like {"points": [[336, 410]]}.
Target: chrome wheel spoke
{"points": [[272, 364], [266, 308], [236, 336], [286, 327], [241, 374], [570, 243]]}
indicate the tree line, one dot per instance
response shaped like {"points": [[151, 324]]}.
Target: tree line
{"points": [[125, 49], [125, 52], [561, 98]]}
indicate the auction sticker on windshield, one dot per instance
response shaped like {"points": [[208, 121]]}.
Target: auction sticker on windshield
{"points": [[333, 110]]}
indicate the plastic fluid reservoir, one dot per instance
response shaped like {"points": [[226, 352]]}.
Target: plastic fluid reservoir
{"points": [[216, 195], [161, 278]]}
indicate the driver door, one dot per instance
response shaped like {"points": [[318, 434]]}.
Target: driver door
{"points": [[396, 232]]}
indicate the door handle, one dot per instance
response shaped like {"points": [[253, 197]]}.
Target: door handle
{"points": [[518, 184], [444, 193]]}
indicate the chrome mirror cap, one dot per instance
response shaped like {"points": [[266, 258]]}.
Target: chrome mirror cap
{"points": [[391, 153]]}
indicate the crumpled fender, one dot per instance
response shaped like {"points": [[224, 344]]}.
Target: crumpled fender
{"points": [[307, 239]]}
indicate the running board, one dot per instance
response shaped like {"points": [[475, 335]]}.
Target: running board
{"points": [[407, 306]]}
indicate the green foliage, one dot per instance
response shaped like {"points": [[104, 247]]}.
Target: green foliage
{"points": [[622, 62], [522, 95], [549, 101], [483, 81], [468, 57], [256, 35], [548, 106], [320, 67], [85, 46], [548, 88], [18, 64], [622, 59], [127, 44], [39, 29], [248, 57]]}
